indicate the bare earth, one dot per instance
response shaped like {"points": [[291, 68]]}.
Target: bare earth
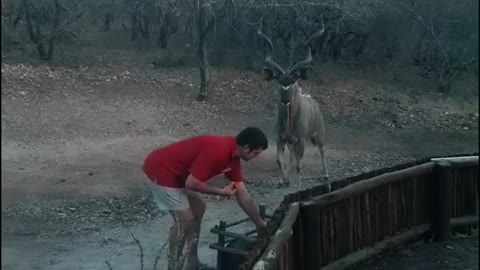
{"points": [[454, 254], [74, 139]]}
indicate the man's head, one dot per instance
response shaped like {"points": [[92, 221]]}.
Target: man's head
{"points": [[251, 141]]}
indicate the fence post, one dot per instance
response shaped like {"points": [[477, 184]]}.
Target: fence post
{"points": [[221, 242], [262, 210], [442, 203]]}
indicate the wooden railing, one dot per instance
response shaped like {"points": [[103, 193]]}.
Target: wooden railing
{"points": [[339, 226]]}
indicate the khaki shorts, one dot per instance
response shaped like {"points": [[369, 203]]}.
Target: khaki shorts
{"points": [[168, 198]]}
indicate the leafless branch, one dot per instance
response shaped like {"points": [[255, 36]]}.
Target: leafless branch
{"points": [[138, 244], [157, 258], [108, 265]]}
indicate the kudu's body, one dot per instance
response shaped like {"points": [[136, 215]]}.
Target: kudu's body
{"points": [[298, 115]]}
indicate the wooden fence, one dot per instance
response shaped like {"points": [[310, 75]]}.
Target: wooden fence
{"points": [[355, 218]]}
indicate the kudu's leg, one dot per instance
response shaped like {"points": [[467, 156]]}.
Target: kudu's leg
{"points": [[298, 151], [291, 151], [319, 143], [280, 150]]}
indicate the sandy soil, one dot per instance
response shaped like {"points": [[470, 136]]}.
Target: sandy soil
{"points": [[73, 142]]}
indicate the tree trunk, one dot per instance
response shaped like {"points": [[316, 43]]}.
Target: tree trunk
{"points": [[202, 30], [162, 40], [145, 27], [134, 35], [55, 25], [34, 34], [202, 53], [108, 20]]}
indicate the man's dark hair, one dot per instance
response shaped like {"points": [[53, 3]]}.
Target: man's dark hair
{"points": [[253, 137]]}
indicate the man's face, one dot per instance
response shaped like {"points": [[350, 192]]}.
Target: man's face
{"points": [[248, 154]]}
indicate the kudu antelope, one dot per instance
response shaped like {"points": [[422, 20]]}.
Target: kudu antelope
{"points": [[298, 115]]}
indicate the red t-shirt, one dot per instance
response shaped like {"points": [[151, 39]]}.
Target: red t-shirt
{"points": [[203, 156]]}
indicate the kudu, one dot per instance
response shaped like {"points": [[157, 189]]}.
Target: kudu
{"points": [[298, 115]]}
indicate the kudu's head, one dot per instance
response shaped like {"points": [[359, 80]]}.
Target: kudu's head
{"points": [[287, 78]]}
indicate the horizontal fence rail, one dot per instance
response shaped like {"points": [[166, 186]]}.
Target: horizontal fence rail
{"points": [[340, 224]]}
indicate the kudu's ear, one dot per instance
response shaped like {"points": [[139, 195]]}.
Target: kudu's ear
{"points": [[299, 74], [303, 73], [267, 74]]}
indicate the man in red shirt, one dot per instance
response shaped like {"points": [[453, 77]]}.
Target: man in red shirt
{"points": [[178, 173]]}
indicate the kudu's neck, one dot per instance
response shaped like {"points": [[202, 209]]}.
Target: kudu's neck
{"points": [[289, 112]]}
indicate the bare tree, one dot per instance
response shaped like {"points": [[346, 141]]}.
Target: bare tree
{"points": [[167, 21], [46, 20], [346, 24], [208, 13], [444, 50]]}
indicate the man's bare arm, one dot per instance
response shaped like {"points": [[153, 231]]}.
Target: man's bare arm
{"points": [[247, 204], [194, 184]]}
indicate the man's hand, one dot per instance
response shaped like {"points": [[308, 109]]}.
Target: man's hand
{"points": [[228, 190], [193, 184], [247, 204]]}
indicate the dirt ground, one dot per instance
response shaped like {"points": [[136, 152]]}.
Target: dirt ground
{"points": [[73, 142], [455, 254]]}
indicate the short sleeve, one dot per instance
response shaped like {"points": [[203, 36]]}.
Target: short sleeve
{"points": [[235, 174], [203, 165]]}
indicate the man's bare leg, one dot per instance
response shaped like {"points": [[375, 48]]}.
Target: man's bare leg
{"points": [[182, 223], [198, 206]]}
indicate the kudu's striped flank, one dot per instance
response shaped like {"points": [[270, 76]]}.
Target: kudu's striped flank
{"points": [[298, 115]]}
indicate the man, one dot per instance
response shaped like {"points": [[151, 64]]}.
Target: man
{"points": [[178, 174]]}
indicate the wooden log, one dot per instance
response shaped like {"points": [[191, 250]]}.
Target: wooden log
{"points": [[458, 162], [394, 189], [414, 201], [311, 245], [442, 200], [408, 203], [403, 205], [318, 238], [298, 239], [475, 184], [464, 221], [335, 185], [389, 211], [419, 182], [369, 184], [454, 197], [343, 182], [462, 177], [220, 231], [317, 190], [362, 255], [326, 244], [368, 218], [358, 226], [228, 225], [269, 257], [350, 225], [304, 194], [342, 232], [376, 218], [381, 200], [229, 250], [333, 233]]}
